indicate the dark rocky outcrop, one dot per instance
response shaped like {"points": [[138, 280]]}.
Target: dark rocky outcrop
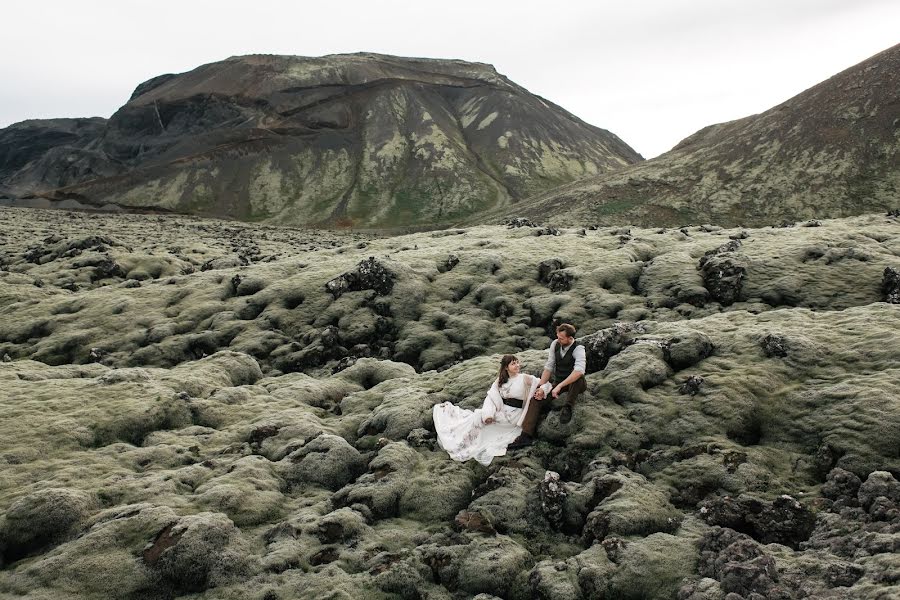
{"points": [[783, 521], [691, 385], [370, 274], [890, 285], [603, 345], [723, 275]]}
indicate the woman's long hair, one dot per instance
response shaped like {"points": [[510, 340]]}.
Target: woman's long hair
{"points": [[504, 363]]}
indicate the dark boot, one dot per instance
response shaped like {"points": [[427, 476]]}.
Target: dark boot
{"points": [[522, 441]]}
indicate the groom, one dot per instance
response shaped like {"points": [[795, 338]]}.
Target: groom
{"points": [[566, 362]]}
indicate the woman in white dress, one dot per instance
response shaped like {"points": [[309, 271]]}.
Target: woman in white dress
{"points": [[486, 432]]}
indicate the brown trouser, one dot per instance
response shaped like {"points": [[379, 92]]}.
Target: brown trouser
{"points": [[536, 407]]}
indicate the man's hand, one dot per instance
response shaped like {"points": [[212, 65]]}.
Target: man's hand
{"points": [[555, 391], [539, 394]]}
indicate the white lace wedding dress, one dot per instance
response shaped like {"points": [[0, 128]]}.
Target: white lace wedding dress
{"points": [[464, 433]]}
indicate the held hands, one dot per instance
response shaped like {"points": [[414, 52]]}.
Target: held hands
{"points": [[488, 420], [539, 394]]}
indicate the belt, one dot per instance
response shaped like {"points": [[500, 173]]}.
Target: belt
{"points": [[515, 403]]}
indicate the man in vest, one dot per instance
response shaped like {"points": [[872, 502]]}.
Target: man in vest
{"points": [[566, 362]]}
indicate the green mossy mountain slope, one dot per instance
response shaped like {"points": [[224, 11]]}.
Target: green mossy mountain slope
{"points": [[831, 151], [356, 140]]}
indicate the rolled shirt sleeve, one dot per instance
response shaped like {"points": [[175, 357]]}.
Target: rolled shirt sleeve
{"points": [[580, 359], [551, 357]]}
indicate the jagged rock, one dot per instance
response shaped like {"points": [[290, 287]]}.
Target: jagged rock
{"points": [[843, 574], [722, 545], [724, 279], [447, 265], [560, 281], [518, 222], [879, 484], [369, 274], [705, 589], [261, 433], [548, 231], [737, 562], [890, 285], [841, 485], [614, 547], [104, 268], [774, 345], [553, 498], [470, 520], [691, 385], [548, 267], [783, 521], [757, 576], [344, 363], [731, 246], [606, 343]]}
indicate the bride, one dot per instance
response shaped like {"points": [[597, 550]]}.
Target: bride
{"points": [[486, 432]]}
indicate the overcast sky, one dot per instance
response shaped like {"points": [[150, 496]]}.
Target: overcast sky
{"points": [[650, 71]]}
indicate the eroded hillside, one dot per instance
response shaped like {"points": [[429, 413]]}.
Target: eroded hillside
{"points": [[352, 140], [831, 151]]}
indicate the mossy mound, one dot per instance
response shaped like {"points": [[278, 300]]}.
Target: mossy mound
{"points": [[208, 452]]}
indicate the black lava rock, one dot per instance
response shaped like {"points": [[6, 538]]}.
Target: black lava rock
{"points": [[691, 385], [774, 345], [369, 274], [890, 285]]}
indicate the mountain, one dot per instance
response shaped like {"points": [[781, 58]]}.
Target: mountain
{"points": [[359, 140], [51, 153], [831, 151]]}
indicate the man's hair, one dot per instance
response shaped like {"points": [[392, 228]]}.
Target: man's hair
{"points": [[569, 329]]}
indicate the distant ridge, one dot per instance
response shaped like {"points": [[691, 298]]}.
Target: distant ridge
{"points": [[831, 151], [358, 140]]}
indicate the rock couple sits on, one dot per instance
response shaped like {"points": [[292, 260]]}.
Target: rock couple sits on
{"points": [[511, 409]]}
